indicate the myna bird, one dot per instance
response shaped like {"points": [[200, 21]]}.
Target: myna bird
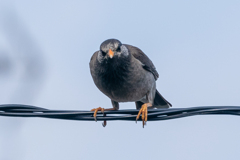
{"points": [[125, 74]]}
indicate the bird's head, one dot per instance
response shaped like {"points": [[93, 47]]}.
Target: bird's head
{"points": [[111, 49]]}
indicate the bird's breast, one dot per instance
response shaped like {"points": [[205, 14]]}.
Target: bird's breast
{"points": [[125, 85], [122, 80]]}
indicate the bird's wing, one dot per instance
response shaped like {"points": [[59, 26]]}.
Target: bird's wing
{"points": [[94, 56], [143, 58], [92, 61]]}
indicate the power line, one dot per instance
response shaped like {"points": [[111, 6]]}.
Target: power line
{"points": [[19, 110]]}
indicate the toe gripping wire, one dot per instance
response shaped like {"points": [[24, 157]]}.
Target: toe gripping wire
{"points": [[19, 110]]}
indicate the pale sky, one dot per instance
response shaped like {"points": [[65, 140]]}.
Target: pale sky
{"points": [[193, 44]]}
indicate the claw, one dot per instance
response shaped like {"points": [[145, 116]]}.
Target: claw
{"points": [[102, 110], [144, 113], [104, 122], [95, 112]]}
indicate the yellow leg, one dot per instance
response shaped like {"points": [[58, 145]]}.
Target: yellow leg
{"points": [[102, 110], [144, 113], [95, 112]]}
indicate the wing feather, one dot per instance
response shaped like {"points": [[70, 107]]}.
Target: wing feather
{"points": [[143, 58]]}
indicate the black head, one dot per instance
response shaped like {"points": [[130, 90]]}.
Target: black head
{"points": [[112, 48], [112, 44]]}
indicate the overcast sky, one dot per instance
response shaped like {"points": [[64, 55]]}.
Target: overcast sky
{"points": [[193, 44]]}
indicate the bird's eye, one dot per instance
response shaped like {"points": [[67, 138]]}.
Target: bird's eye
{"points": [[104, 53], [118, 49]]}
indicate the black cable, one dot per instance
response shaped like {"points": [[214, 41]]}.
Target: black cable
{"points": [[19, 110]]}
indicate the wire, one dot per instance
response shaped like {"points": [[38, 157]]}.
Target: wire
{"points": [[19, 110]]}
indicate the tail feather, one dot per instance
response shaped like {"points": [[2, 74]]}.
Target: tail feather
{"points": [[160, 101]]}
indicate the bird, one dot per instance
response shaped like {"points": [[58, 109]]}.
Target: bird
{"points": [[125, 74]]}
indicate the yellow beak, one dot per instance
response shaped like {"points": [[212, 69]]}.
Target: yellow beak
{"points": [[110, 53]]}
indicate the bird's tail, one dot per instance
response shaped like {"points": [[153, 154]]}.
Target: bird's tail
{"points": [[160, 101]]}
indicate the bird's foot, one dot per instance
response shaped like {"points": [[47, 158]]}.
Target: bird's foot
{"points": [[95, 112], [144, 113]]}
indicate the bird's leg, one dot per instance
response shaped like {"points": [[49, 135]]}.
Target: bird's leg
{"points": [[100, 109], [95, 112], [144, 113]]}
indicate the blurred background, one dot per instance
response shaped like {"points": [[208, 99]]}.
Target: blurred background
{"points": [[45, 49]]}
